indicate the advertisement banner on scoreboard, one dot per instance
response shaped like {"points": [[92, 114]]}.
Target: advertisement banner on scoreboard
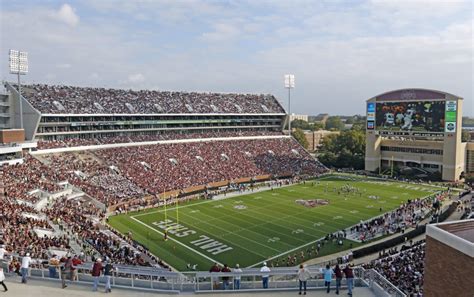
{"points": [[450, 116]]}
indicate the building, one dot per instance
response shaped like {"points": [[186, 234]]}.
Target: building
{"points": [[321, 118], [449, 261], [301, 117], [418, 130], [315, 138]]}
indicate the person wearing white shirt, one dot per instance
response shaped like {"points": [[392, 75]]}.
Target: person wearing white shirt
{"points": [[3, 251], [237, 277], [25, 265], [265, 276]]}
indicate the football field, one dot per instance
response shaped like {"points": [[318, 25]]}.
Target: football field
{"points": [[266, 225]]}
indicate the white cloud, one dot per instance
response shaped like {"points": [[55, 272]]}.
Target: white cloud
{"points": [[222, 32], [64, 66], [67, 15], [136, 78]]}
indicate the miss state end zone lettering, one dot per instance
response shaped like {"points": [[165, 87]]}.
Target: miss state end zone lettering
{"points": [[204, 242]]}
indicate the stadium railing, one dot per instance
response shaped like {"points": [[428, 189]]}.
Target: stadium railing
{"points": [[380, 285], [163, 281]]}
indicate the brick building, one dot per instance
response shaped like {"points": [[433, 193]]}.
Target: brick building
{"points": [[449, 262]]}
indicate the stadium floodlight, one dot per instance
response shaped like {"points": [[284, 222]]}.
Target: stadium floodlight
{"points": [[289, 84], [19, 66]]}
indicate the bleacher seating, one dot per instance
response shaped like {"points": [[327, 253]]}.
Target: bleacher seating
{"points": [[82, 100]]}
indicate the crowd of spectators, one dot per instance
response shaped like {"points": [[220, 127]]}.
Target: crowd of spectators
{"points": [[115, 175], [163, 167], [18, 180], [409, 214], [106, 139], [83, 100], [19, 224], [404, 269], [93, 176]]}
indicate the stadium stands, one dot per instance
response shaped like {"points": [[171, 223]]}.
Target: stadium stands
{"points": [[79, 100], [158, 168], [74, 142], [404, 269], [20, 224]]}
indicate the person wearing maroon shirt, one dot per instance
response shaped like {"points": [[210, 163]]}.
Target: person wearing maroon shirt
{"points": [[75, 262], [96, 271], [338, 273], [349, 277], [225, 279], [215, 268]]}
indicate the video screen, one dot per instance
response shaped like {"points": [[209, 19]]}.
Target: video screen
{"points": [[410, 116]]}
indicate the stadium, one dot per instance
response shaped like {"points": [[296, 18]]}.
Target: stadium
{"points": [[167, 185]]}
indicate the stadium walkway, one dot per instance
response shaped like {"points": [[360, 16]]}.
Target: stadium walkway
{"points": [[37, 288]]}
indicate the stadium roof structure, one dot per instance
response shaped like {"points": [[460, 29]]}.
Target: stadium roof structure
{"points": [[411, 94]]}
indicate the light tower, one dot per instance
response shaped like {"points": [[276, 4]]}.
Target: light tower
{"points": [[289, 84], [19, 66]]}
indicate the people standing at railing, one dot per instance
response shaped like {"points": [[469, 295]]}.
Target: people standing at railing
{"points": [[338, 273], [225, 279], [350, 278], [96, 271], [265, 276], [25, 266], [237, 277], [327, 277], [108, 270], [303, 276], [53, 266]]}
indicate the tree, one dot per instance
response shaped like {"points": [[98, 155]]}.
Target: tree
{"points": [[300, 124], [465, 136], [334, 123], [317, 126], [346, 150], [298, 134]]}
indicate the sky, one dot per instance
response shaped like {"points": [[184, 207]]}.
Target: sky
{"points": [[341, 52]]}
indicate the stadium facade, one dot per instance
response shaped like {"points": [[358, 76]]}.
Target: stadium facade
{"points": [[418, 130]]}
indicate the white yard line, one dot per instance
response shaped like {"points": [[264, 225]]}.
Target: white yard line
{"points": [[178, 242]]}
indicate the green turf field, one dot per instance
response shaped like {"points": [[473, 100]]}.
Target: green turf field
{"points": [[251, 228]]}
